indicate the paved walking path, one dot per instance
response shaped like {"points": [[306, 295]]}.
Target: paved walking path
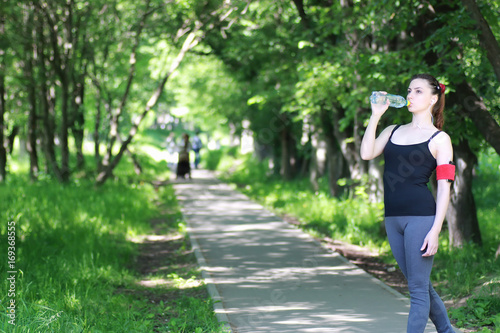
{"points": [[267, 276]]}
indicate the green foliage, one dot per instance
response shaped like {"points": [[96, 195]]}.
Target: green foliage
{"points": [[211, 93], [482, 311], [465, 268], [212, 159], [242, 168], [74, 255]]}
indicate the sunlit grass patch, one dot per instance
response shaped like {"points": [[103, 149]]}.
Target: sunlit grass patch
{"points": [[72, 251], [76, 246]]}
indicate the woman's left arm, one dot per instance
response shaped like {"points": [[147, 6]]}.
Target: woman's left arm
{"points": [[444, 154]]}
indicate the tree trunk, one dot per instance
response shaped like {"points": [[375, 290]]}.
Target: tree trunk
{"points": [[3, 152], [336, 166], [313, 164], [49, 130], [287, 171], [64, 129], [47, 97], [461, 215], [78, 121], [135, 161], [307, 162], [78, 134], [97, 140], [29, 73], [375, 185], [486, 37], [11, 138], [62, 65], [31, 146], [356, 166], [334, 157], [78, 114], [101, 93]]}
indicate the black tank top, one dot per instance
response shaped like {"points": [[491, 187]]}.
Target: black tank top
{"points": [[406, 174]]}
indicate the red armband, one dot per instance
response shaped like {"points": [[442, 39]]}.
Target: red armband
{"points": [[445, 171]]}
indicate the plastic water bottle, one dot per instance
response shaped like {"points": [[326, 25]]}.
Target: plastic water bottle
{"points": [[395, 101]]}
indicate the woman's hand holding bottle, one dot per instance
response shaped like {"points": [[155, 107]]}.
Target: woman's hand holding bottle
{"points": [[379, 109]]}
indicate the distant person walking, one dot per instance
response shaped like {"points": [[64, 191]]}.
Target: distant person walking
{"points": [[413, 219], [197, 145], [183, 165]]}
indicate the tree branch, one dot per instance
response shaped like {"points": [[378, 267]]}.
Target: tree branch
{"points": [[115, 118], [191, 41], [486, 36]]}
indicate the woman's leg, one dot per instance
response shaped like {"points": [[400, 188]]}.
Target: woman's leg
{"points": [[394, 226], [438, 313], [406, 236], [425, 302], [418, 270]]}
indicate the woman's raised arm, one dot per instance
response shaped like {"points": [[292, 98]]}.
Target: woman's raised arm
{"points": [[371, 146]]}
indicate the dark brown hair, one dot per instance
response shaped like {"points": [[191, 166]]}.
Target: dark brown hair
{"points": [[437, 109]]}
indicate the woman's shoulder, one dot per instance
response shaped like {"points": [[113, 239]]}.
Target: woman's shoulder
{"points": [[441, 137], [391, 128], [386, 133], [442, 146]]}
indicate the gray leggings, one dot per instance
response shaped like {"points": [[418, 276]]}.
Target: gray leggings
{"points": [[406, 235]]}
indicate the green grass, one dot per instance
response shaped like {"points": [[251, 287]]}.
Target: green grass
{"points": [[479, 312], [470, 272], [72, 252], [75, 256], [181, 296]]}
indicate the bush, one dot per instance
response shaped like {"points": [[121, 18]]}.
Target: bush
{"points": [[211, 159]]}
